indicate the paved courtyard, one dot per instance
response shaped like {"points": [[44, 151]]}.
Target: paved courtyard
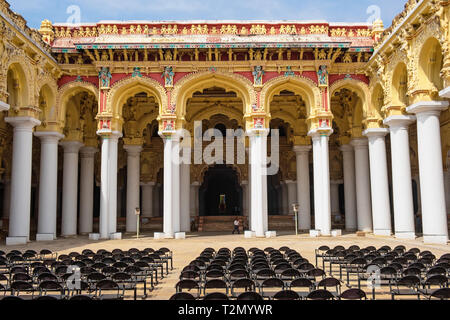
{"points": [[184, 251]]}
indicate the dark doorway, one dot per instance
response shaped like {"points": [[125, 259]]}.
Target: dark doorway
{"points": [[220, 193]]}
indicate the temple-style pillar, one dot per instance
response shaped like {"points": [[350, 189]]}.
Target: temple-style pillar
{"points": [[87, 164], [148, 199], [19, 218], [185, 197], [303, 187], [322, 193], [70, 188], [292, 196], [381, 207], [401, 176], [258, 162], [334, 194], [171, 186], [362, 173], [133, 183], [434, 215], [349, 187], [48, 185], [194, 204], [108, 192]]}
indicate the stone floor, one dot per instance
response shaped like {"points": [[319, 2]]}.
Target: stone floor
{"points": [[184, 251]]}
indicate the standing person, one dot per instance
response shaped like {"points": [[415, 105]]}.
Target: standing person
{"points": [[236, 226]]}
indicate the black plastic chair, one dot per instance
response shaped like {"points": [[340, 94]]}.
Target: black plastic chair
{"points": [[286, 295], [320, 295], [216, 296], [184, 296], [250, 296], [353, 294]]}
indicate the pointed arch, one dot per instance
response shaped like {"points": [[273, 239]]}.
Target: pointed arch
{"points": [[361, 89], [65, 93]]}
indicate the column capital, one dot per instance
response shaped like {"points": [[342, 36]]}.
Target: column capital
{"points": [[71, 146], [133, 149], [148, 184], [360, 143], [196, 184], [399, 121], [108, 134], [87, 152], [4, 106], [445, 93], [434, 107], [338, 182], [302, 149], [376, 132], [290, 182], [346, 148], [23, 122], [257, 132], [318, 132], [244, 183], [49, 136]]}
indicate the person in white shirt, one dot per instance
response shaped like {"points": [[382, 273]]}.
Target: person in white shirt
{"points": [[236, 226]]}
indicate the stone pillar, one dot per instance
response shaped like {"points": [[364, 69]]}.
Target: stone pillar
{"points": [[133, 183], [434, 215], [70, 188], [362, 173], [258, 161], [148, 200], [87, 164], [285, 198], [171, 186], [303, 187], [19, 218], [157, 200], [349, 187], [195, 206], [185, 198], [108, 192], [381, 208], [48, 185], [401, 176], [447, 189], [335, 212], [322, 195], [292, 195]]}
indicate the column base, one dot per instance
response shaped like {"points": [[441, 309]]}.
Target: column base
{"points": [[336, 233], [435, 239], [69, 236], [314, 233], [180, 235], [159, 235], [271, 234], [249, 234], [115, 236], [94, 236], [45, 237], [386, 233], [13, 241], [405, 235]]}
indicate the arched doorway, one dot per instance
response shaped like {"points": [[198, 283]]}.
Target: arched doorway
{"points": [[220, 193]]}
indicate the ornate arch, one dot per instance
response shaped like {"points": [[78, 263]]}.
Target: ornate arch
{"points": [[144, 121], [360, 88], [300, 85], [204, 168], [65, 92], [130, 86], [285, 116], [28, 81], [208, 112], [193, 82]]}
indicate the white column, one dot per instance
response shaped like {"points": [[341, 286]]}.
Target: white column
{"points": [[317, 171], [185, 198], [381, 208], [349, 187], [4, 106], [70, 188], [285, 198], [147, 199], [133, 182], [434, 215], [104, 189], [112, 180], [335, 212], [258, 161], [447, 189], [156, 200], [48, 185], [401, 176], [303, 187], [19, 218], [292, 195], [87, 163], [362, 173], [6, 198]]}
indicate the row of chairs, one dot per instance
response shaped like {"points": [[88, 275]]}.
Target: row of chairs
{"points": [[97, 275]]}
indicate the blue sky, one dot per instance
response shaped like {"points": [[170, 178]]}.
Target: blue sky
{"points": [[95, 10]]}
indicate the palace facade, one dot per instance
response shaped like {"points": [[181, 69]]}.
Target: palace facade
{"points": [[91, 114]]}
